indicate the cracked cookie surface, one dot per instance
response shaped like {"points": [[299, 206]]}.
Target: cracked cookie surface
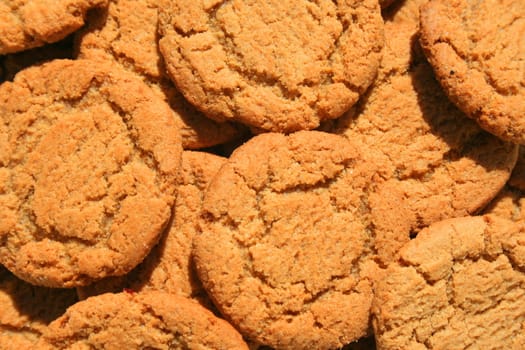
{"points": [[287, 247], [27, 310], [477, 49], [89, 159], [274, 66], [126, 33], [148, 320], [459, 284], [25, 24], [168, 267], [441, 162]]}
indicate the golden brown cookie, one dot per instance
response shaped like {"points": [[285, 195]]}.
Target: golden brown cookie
{"points": [[149, 320], [168, 267], [126, 33], [89, 159], [440, 163], [26, 24], [273, 65], [26, 310], [477, 49], [289, 244], [460, 284]]}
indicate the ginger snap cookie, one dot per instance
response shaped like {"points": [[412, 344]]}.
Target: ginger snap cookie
{"points": [[149, 320], [441, 163], [288, 247], [26, 24], [26, 310], [89, 163], [272, 65], [477, 49], [459, 284], [126, 33], [169, 267]]}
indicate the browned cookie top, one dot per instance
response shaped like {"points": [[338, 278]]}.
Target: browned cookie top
{"points": [[168, 267], [149, 320], [89, 158], [288, 244], [279, 66], [26, 310], [477, 49], [25, 24], [460, 284], [441, 163], [126, 33]]}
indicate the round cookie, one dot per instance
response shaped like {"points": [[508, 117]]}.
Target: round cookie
{"points": [[26, 310], [89, 160], [289, 245], [26, 24], [477, 51], [149, 320], [441, 163], [459, 284], [271, 65], [126, 33], [169, 267]]}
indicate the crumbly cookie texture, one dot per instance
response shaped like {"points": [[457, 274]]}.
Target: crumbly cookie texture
{"points": [[126, 33], [89, 160], [25, 24], [288, 250], [149, 320], [476, 49], [459, 284], [26, 310], [440, 163], [271, 65], [169, 267]]}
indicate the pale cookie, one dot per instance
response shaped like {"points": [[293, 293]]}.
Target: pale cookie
{"points": [[168, 267], [273, 65], [460, 284], [477, 50], [149, 320], [26, 310], [126, 33], [441, 163], [289, 244], [89, 159], [25, 24]]}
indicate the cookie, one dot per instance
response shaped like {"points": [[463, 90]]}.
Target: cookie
{"points": [[441, 163], [476, 49], [27, 310], [168, 267], [288, 243], [126, 33], [274, 66], [27, 24], [149, 320], [89, 160], [459, 284]]}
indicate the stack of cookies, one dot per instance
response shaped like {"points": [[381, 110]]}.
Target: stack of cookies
{"points": [[240, 174]]}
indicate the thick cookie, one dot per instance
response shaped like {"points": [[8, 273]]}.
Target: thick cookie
{"points": [[126, 33], [459, 284], [441, 163], [477, 50], [289, 244], [26, 24], [273, 65], [89, 159], [168, 267], [149, 320], [26, 310]]}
